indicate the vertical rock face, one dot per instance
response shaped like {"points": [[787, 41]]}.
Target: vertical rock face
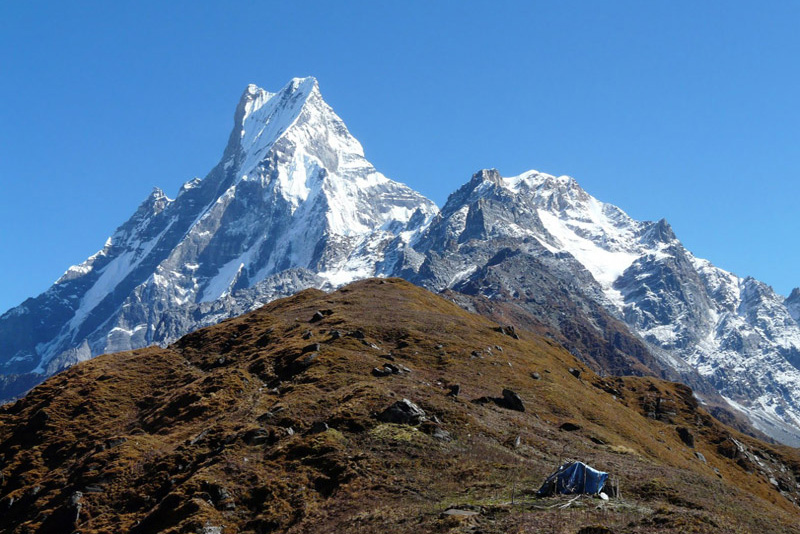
{"points": [[293, 203]]}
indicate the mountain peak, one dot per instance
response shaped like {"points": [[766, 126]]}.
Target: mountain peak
{"points": [[261, 117], [488, 175], [254, 97]]}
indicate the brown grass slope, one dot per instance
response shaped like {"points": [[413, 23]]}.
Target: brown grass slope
{"points": [[225, 429]]}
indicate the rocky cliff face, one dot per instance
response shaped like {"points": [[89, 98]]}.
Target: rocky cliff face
{"points": [[293, 203]]}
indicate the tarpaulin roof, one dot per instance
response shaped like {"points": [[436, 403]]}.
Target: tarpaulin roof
{"points": [[574, 477]]}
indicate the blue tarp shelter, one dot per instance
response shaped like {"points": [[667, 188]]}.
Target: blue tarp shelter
{"points": [[573, 477]]}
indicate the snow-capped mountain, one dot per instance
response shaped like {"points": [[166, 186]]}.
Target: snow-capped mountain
{"points": [[710, 326], [293, 203]]}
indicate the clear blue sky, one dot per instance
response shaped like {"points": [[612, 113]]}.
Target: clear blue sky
{"points": [[684, 110]]}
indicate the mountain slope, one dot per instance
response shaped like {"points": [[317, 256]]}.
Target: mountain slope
{"points": [[270, 422], [712, 329], [292, 191], [293, 204]]}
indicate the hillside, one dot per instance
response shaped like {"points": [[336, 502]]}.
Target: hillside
{"points": [[270, 422]]}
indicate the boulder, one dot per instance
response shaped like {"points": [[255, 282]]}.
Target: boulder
{"points": [[507, 330], [318, 427], [686, 436], [314, 347], [258, 436], [403, 412], [302, 363], [512, 401]]}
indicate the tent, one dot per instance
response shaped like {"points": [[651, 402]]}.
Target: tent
{"points": [[573, 477]]}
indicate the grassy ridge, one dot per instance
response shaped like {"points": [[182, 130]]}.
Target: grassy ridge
{"points": [[267, 423]]}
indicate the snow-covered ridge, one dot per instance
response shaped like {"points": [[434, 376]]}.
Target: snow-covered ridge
{"points": [[737, 332]]}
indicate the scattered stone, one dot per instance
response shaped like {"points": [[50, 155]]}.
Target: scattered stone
{"points": [[439, 346], [441, 434], [475, 354], [517, 442], [686, 436], [455, 389], [380, 372], [301, 364], [220, 496], [314, 347], [403, 412], [307, 334], [76, 504], [507, 330], [536, 376], [716, 470], [289, 431], [391, 368], [387, 357], [318, 316], [335, 334], [569, 427], [575, 372], [512, 401], [456, 512], [700, 456], [198, 437], [318, 427], [266, 416], [358, 334], [257, 436], [498, 347], [94, 488], [596, 440]]}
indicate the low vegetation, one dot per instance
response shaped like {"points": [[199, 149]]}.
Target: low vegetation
{"points": [[269, 422]]}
